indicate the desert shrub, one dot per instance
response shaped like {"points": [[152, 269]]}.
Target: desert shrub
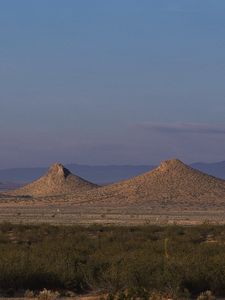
{"points": [[6, 226], [206, 296], [47, 295], [113, 259], [29, 294]]}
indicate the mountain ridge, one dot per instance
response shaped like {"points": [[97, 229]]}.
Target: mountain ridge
{"points": [[101, 174]]}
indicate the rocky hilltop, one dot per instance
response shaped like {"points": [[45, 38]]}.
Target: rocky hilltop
{"points": [[57, 181], [172, 183]]}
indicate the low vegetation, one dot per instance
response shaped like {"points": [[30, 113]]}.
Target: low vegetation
{"points": [[145, 261]]}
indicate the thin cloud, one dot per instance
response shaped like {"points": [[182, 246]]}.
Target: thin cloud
{"points": [[197, 128]]}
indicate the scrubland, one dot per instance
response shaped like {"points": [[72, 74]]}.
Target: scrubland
{"points": [[130, 262]]}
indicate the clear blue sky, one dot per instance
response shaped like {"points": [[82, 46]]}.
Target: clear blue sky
{"points": [[111, 82]]}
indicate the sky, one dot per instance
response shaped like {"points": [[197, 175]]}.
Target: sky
{"points": [[111, 82]]}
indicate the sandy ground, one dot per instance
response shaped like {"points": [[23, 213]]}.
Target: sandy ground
{"points": [[86, 215]]}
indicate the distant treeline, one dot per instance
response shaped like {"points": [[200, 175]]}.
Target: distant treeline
{"points": [[182, 260]]}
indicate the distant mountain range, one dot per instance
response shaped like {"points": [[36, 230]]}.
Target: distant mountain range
{"points": [[96, 174], [215, 169], [101, 174]]}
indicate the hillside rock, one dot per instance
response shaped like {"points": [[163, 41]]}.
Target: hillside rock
{"points": [[172, 183], [57, 181]]}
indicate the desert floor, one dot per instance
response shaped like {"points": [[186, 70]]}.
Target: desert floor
{"points": [[128, 215]]}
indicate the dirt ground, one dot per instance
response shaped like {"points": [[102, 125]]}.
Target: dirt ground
{"points": [[127, 215]]}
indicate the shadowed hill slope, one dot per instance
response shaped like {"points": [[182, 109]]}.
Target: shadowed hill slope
{"points": [[172, 182], [57, 181]]}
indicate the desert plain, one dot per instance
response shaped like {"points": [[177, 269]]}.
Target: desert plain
{"points": [[171, 193]]}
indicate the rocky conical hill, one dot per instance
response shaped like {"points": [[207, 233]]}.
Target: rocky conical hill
{"points": [[57, 181], [172, 182]]}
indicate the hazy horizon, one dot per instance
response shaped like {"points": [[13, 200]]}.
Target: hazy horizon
{"points": [[111, 83], [68, 164]]}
